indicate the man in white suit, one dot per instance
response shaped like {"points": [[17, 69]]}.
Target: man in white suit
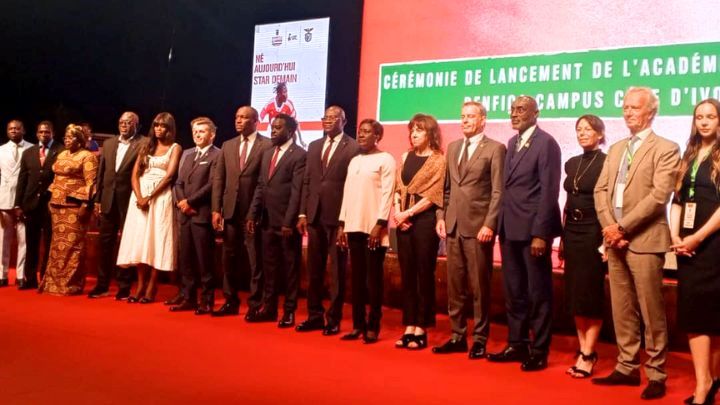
{"points": [[10, 227]]}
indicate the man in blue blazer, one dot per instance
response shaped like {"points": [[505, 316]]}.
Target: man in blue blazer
{"points": [[529, 221]]}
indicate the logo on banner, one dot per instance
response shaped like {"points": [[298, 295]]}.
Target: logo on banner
{"points": [[308, 34], [277, 39], [292, 37]]}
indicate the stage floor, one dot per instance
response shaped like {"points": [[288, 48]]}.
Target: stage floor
{"points": [[75, 350]]}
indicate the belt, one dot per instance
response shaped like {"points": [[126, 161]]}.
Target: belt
{"points": [[578, 214]]}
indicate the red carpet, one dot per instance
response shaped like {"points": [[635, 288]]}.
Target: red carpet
{"points": [[75, 350]]}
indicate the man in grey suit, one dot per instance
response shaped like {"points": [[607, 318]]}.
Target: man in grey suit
{"points": [[114, 187], [468, 221], [234, 181]]}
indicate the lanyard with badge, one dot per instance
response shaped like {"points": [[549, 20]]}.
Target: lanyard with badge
{"points": [[691, 206], [620, 186]]}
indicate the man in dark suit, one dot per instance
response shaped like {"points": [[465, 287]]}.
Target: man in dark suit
{"points": [[193, 190], [234, 180], [111, 200], [468, 221], [327, 163], [31, 201], [274, 210], [529, 221]]}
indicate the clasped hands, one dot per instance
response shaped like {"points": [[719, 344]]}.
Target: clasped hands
{"points": [[685, 246], [185, 208], [614, 237]]}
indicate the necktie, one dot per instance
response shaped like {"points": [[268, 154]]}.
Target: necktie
{"points": [[15, 152], [42, 155], [326, 154], [518, 145], [197, 158], [243, 152], [464, 157], [624, 170], [273, 161]]}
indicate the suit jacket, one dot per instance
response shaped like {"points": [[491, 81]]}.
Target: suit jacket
{"points": [[472, 199], [325, 188], [649, 185], [194, 183], [233, 189], [115, 187], [34, 178], [10, 172], [532, 186], [276, 202]]}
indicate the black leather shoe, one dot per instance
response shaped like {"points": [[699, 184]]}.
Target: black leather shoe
{"points": [[4, 283], [510, 354], [204, 309], [370, 337], [618, 378], [227, 309], [331, 330], [535, 362], [654, 390], [265, 316], [27, 285], [451, 346], [184, 306], [19, 283], [477, 351], [354, 335], [122, 294], [251, 314], [176, 300], [287, 320], [98, 293], [310, 325]]}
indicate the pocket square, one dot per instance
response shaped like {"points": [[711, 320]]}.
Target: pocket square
{"points": [[203, 163]]}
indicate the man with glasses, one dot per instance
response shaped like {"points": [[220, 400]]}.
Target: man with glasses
{"points": [[114, 187], [325, 172]]}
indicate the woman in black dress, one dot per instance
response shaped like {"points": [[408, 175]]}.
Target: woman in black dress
{"points": [[582, 236], [695, 225], [419, 191]]}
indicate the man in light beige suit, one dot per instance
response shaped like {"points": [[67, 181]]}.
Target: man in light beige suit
{"points": [[468, 219], [631, 197]]}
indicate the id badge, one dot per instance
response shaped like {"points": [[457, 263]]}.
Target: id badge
{"points": [[619, 191], [689, 216]]}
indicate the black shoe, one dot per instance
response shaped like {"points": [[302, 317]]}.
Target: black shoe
{"points": [[251, 314], [27, 285], [132, 299], [287, 320], [535, 362], [370, 337], [418, 342], [510, 354], [147, 300], [265, 316], [19, 283], [4, 283], [98, 293], [654, 390], [709, 398], [184, 306], [477, 351], [354, 335], [122, 294], [178, 299], [227, 309], [205, 308], [618, 378], [310, 325], [451, 346], [331, 330]]}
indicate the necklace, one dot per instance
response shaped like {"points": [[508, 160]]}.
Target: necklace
{"points": [[578, 175]]}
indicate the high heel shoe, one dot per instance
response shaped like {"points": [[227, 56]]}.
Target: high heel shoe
{"points": [[404, 341], [710, 398], [580, 373], [132, 299], [147, 300], [420, 342]]}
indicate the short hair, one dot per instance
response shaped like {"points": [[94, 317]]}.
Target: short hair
{"points": [[49, 124], [430, 125], [653, 101], [18, 121], [77, 131], [134, 116], [336, 107], [480, 107], [377, 127], [279, 86], [204, 121], [290, 122], [595, 123]]}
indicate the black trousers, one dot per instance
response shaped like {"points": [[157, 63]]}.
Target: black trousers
{"points": [[528, 295], [195, 260], [38, 228], [241, 251], [322, 244], [281, 263], [367, 281], [417, 254], [110, 224]]}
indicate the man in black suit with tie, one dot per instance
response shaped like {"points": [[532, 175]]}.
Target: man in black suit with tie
{"points": [[274, 210], [529, 221], [111, 200], [193, 190], [327, 163], [234, 180], [31, 201]]}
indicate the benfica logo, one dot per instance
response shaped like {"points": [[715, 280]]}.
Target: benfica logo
{"points": [[308, 34]]}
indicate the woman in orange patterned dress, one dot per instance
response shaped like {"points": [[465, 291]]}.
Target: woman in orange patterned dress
{"points": [[72, 190]]}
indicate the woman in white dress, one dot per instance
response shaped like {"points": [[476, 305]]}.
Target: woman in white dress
{"points": [[148, 237]]}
